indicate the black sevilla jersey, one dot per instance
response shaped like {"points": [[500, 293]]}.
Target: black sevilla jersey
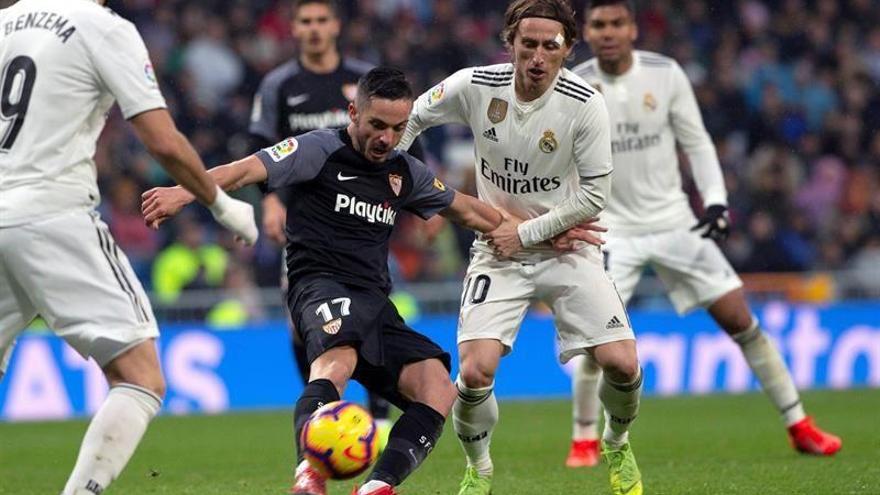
{"points": [[292, 100], [341, 208]]}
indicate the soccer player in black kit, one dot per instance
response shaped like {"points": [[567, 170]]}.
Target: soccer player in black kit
{"points": [[308, 93], [347, 187]]}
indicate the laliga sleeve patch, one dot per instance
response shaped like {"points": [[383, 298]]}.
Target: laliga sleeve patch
{"points": [[150, 74], [283, 149], [439, 185], [436, 94]]}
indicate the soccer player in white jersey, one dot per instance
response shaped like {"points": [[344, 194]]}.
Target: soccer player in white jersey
{"points": [[652, 107], [542, 152], [62, 65]]}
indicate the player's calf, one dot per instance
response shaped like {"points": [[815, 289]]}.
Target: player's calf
{"points": [[411, 440], [414, 435]]}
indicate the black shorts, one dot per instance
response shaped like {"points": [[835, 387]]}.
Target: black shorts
{"points": [[328, 314]]}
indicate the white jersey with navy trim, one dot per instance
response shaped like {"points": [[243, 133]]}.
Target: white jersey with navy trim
{"points": [[652, 107], [62, 65], [528, 156]]}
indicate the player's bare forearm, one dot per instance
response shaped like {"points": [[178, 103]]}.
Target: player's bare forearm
{"points": [[161, 203], [472, 213], [235, 175]]}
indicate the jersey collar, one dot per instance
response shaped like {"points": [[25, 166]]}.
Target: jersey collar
{"points": [[531, 106]]}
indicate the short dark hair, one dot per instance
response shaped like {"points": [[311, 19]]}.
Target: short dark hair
{"points": [[331, 4], [628, 4], [557, 10], [385, 82]]}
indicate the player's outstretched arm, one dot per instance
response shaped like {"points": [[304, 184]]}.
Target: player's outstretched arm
{"points": [[157, 131], [471, 213], [161, 203]]}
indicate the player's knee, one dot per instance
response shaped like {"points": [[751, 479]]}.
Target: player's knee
{"points": [[476, 374], [147, 377], [738, 323], [151, 380], [622, 370], [157, 386], [440, 395]]}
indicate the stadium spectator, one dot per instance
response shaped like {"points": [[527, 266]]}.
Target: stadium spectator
{"points": [[767, 73], [191, 262]]}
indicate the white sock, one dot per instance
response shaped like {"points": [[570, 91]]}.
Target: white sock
{"points": [[371, 485], [111, 438], [768, 366], [621, 402], [474, 416], [585, 398]]}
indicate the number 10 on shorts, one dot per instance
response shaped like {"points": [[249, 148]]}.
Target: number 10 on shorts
{"points": [[476, 289]]}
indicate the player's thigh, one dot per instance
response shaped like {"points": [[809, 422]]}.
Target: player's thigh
{"points": [[16, 309], [625, 260], [328, 314], [402, 348], [83, 285], [693, 269], [495, 297], [587, 309]]}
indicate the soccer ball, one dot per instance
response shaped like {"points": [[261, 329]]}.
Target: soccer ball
{"points": [[340, 440]]}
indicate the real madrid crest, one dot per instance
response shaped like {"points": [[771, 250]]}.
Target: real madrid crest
{"points": [[548, 143], [497, 110], [396, 182], [649, 102]]}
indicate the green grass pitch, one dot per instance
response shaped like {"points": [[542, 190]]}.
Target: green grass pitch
{"points": [[695, 445]]}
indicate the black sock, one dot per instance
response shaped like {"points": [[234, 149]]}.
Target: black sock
{"points": [[301, 359], [379, 407], [316, 394], [411, 440]]}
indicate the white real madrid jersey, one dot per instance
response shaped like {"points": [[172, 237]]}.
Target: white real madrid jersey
{"points": [[62, 65], [651, 107], [528, 156]]}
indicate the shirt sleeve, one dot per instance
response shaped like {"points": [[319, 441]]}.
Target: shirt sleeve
{"points": [[264, 113], [123, 64], [691, 134], [429, 194], [592, 157], [297, 160], [445, 103]]}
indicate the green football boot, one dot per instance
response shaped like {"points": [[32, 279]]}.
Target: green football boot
{"points": [[623, 470], [475, 484]]}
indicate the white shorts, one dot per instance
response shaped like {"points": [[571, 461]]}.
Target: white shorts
{"points": [[693, 269], [69, 270], [586, 307]]}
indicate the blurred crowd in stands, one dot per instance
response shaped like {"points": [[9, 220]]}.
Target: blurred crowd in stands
{"points": [[788, 89]]}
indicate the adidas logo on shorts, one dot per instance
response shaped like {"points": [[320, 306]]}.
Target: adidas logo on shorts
{"points": [[614, 322], [490, 134]]}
